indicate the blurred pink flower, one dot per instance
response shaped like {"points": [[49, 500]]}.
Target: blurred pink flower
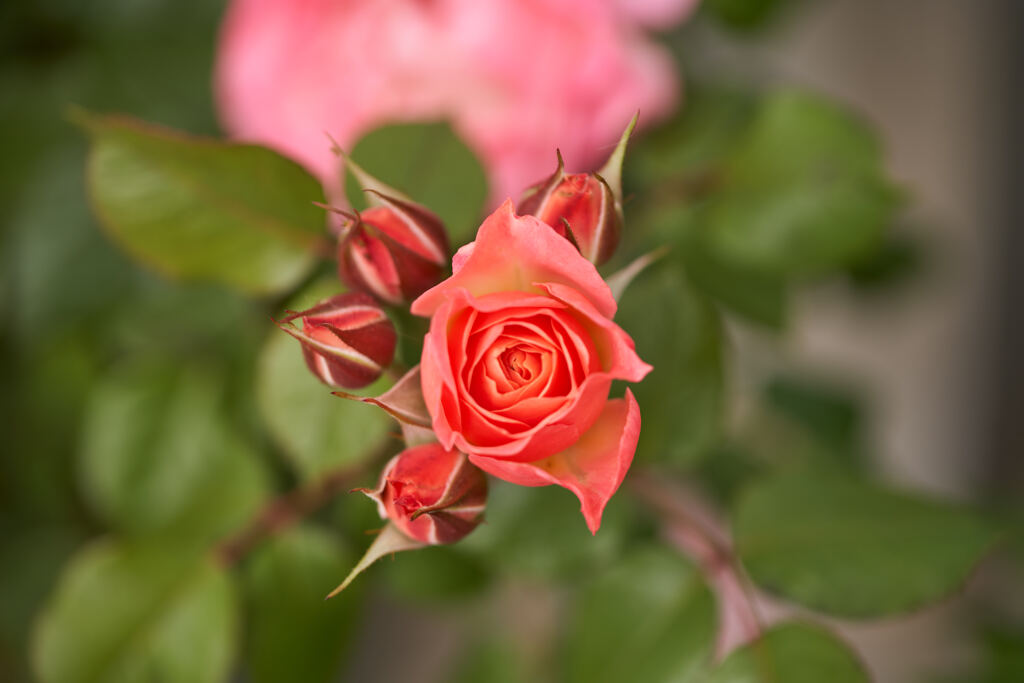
{"points": [[517, 78]]}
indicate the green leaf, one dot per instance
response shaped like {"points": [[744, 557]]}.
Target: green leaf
{"points": [[832, 414], [494, 661], [30, 561], [293, 635], [428, 162], [124, 613], [649, 618], [898, 259], [760, 191], [318, 432], [744, 15], [828, 419], [678, 168], [1002, 657], [435, 574], [196, 208], [791, 653], [682, 155], [540, 533], [727, 469], [802, 193], [753, 292], [676, 330], [157, 456], [851, 549]]}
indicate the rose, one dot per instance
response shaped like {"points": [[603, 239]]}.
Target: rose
{"points": [[517, 78], [347, 340], [579, 206], [431, 494], [519, 360], [394, 250]]}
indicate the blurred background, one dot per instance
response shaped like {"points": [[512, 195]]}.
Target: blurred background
{"points": [[931, 358]]}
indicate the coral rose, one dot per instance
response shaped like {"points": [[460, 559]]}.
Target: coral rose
{"points": [[519, 360], [517, 78]]}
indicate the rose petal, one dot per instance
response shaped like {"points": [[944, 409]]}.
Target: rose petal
{"points": [[541, 255], [461, 256], [533, 409], [592, 468], [622, 361]]}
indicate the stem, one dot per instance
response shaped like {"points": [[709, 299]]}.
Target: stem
{"points": [[689, 526], [284, 511]]}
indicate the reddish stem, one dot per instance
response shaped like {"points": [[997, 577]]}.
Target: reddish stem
{"points": [[284, 511], [691, 527]]}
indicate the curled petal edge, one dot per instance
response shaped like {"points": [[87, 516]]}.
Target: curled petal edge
{"points": [[593, 468]]}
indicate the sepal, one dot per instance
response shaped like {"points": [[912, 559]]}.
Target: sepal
{"points": [[404, 401], [389, 541], [611, 172], [433, 495], [620, 280]]}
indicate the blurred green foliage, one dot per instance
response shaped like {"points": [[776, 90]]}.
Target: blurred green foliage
{"points": [[491, 662], [853, 549], [762, 191], [200, 209], [649, 618], [157, 458], [71, 303], [791, 653], [137, 612], [523, 524], [291, 633], [744, 15], [678, 331], [433, 166]]}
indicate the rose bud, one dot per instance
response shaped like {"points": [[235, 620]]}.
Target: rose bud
{"points": [[347, 340], [395, 250], [431, 494], [580, 206], [586, 208]]}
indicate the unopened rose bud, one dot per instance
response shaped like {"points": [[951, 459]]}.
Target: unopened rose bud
{"points": [[395, 250], [433, 495], [586, 208], [580, 206], [347, 340]]}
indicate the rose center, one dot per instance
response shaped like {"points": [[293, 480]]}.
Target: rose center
{"points": [[519, 365]]}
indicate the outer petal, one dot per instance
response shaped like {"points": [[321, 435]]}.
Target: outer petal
{"points": [[540, 255], [461, 256], [593, 468]]}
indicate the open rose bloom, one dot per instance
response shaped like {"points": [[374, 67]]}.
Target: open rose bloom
{"points": [[519, 360]]}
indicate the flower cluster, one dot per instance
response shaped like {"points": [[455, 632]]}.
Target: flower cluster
{"points": [[518, 363]]}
